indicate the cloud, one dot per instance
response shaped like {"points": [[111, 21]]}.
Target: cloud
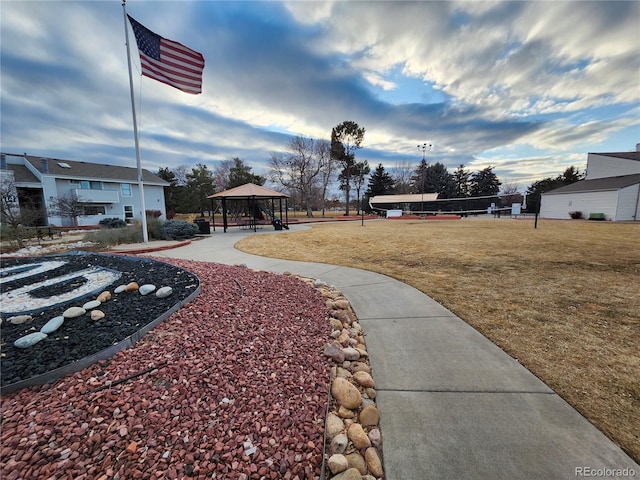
{"points": [[489, 80]]}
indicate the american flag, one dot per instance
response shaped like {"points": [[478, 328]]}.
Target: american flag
{"points": [[167, 61]]}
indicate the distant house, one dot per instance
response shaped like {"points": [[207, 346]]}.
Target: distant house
{"points": [[103, 190], [611, 187]]}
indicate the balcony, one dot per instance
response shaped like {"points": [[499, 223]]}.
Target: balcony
{"points": [[97, 196]]}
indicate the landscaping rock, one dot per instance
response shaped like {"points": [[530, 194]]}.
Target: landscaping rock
{"points": [[52, 325], [345, 393], [29, 340], [74, 312]]}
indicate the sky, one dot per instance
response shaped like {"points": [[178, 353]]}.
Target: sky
{"points": [[528, 88]]}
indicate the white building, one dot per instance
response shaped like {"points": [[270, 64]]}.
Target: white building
{"points": [[103, 190], [611, 187]]}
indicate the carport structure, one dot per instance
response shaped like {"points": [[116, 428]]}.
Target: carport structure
{"points": [[258, 198]]}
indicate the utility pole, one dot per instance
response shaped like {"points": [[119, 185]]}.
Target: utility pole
{"points": [[424, 147]]}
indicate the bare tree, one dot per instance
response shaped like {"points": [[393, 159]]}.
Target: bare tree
{"points": [[510, 193], [401, 174], [180, 173], [323, 151], [15, 217], [68, 206], [299, 169], [221, 173]]}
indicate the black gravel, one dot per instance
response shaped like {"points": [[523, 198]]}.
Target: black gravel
{"points": [[126, 313]]}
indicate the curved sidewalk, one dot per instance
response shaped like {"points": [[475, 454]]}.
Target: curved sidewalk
{"points": [[452, 404]]}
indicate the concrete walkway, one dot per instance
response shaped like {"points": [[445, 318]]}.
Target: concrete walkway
{"points": [[453, 405]]}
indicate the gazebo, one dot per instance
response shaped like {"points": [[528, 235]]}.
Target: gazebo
{"points": [[254, 194]]}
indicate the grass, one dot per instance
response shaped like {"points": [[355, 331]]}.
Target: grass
{"points": [[563, 299]]}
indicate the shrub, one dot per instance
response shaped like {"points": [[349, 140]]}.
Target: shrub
{"points": [[154, 228], [114, 236], [112, 222], [178, 230], [576, 215], [171, 214], [153, 213]]}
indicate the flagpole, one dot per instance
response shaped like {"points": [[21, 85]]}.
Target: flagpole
{"points": [[145, 235]]}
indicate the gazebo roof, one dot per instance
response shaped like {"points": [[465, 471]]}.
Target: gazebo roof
{"points": [[248, 190]]}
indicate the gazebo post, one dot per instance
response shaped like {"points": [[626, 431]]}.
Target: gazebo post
{"points": [[253, 212], [224, 214], [213, 214]]}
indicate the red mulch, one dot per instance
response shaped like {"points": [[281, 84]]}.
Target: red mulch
{"points": [[236, 388]]}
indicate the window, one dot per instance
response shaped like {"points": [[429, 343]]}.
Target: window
{"points": [[126, 189], [94, 210], [128, 213], [87, 185]]}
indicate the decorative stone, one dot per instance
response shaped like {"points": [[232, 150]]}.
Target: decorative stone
{"points": [[97, 315], [345, 393], [120, 289], [335, 324], [350, 474], [373, 462], [20, 319], [29, 340], [375, 437], [131, 287], [351, 354], [73, 312], [52, 325], [364, 379], [360, 367], [345, 412], [362, 352], [358, 436], [164, 292], [357, 461], [339, 443], [92, 304], [335, 353], [341, 304], [146, 289], [369, 416], [334, 425], [104, 296], [337, 463]]}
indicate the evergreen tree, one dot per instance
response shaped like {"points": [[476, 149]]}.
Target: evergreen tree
{"points": [[536, 189], [380, 183], [461, 182], [346, 138], [170, 192], [484, 182], [433, 178], [199, 187], [240, 173]]}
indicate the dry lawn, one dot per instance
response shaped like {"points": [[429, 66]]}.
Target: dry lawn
{"points": [[563, 299]]}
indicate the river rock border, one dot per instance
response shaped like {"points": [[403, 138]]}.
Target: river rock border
{"points": [[353, 441]]}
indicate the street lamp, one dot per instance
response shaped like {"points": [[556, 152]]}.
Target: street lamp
{"points": [[424, 147]]}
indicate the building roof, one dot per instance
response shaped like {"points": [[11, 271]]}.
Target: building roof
{"points": [[598, 185], [22, 174], [87, 171], [624, 155], [407, 198], [248, 190]]}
